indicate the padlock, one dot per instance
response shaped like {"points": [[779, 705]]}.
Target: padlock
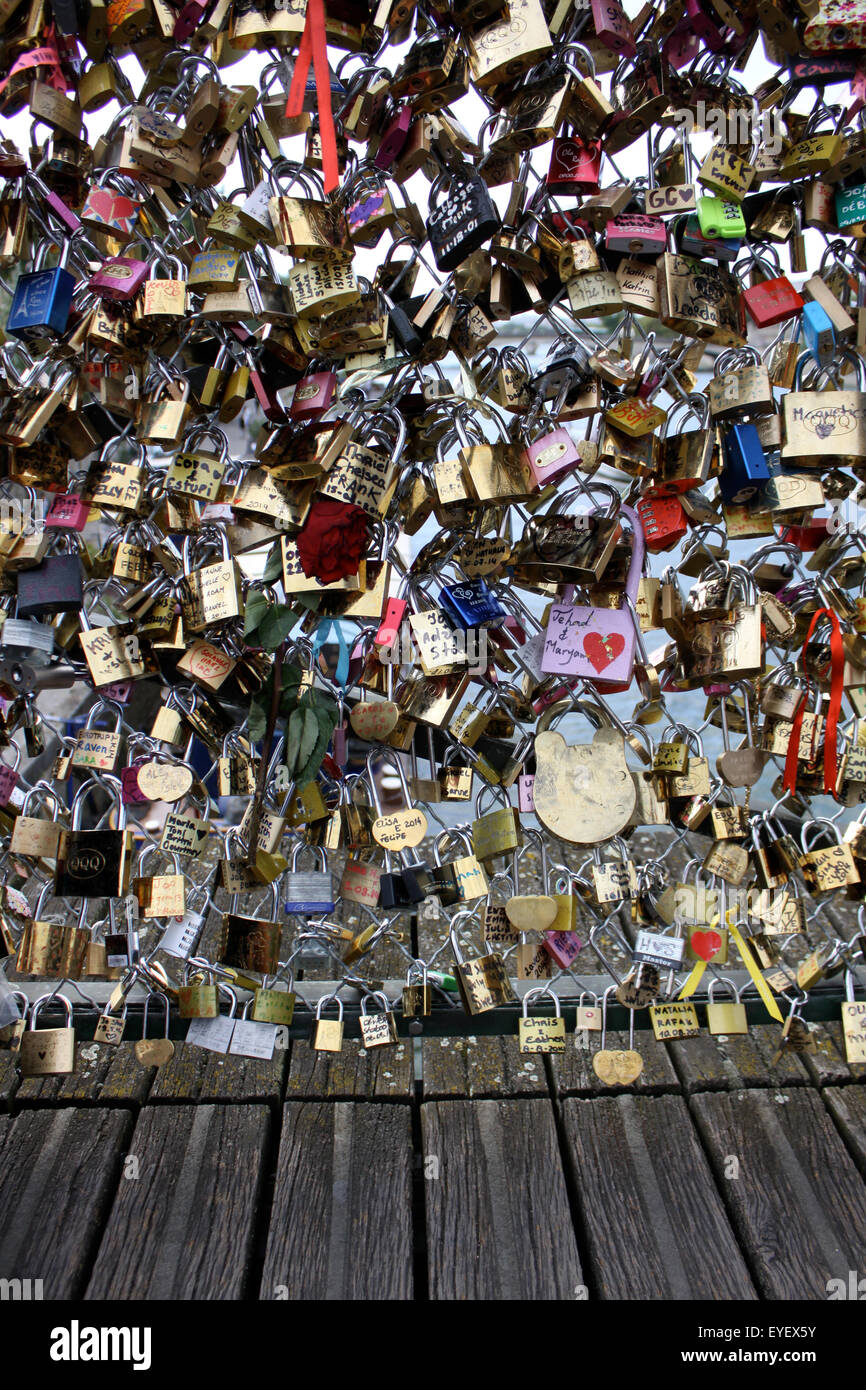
{"points": [[196, 997], [94, 863], [377, 1029], [482, 981], [539, 1034], [327, 1034], [214, 1031], [728, 1017], [616, 1067], [155, 1052], [417, 993], [309, 891], [48, 1051]]}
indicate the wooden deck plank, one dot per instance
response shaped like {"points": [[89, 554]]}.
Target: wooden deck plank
{"points": [[847, 1105], [93, 1061], [481, 1068], [126, 1079], [498, 1219], [195, 1074], [573, 1074], [183, 1229], [355, 1073], [341, 1220], [734, 1062], [59, 1173], [9, 1079], [655, 1223], [798, 1203], [827, 1066]]}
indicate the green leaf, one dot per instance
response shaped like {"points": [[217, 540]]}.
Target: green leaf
{"points": [[293, 739], [326, 728], [274, 564], [257, 607], [259, 710], [276, 626], [309, 735]]}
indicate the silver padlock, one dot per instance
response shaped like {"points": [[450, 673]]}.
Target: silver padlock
{"points": [[309, 891]]}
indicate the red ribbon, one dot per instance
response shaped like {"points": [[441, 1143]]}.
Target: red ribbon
{"points": [[837, 671], [314, 45]]}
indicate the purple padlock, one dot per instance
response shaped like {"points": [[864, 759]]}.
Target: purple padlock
{"points": [[9, 780], [394, 137], [130, 792]]}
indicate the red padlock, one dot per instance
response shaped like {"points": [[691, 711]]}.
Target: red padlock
{"points": [[68, 512], [575, 165], [772, 301], [664, 521], [313, 395], [267, 398]]}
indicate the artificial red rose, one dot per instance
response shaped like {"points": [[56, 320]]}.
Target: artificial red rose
{"points": [[333, 539]]}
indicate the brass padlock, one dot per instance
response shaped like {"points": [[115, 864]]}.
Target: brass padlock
{"points": [[48, 1051], [729, 1017], [327, 1034]]}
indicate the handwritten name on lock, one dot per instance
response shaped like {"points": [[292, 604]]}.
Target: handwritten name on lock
{"points": [[584, 641]]}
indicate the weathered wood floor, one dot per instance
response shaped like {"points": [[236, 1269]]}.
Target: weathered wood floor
{"points": [[443, 1169]]}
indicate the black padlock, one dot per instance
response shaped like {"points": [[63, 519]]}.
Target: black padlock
{"points": [[462, 222], [55, 586]]}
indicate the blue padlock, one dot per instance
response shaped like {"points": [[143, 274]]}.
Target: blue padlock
{"points": [[471, 604], [694, 243], [745, 468], [41, 302], [819, 333]]}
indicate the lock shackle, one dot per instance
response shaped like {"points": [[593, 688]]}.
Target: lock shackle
{"points": [[375, 995], [166, 1004], [45, 1001], [330, 999], [106, 783], [727, 983], [533, 994]]}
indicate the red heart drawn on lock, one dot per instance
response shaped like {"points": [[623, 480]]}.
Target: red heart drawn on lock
{"points": [[706, 944], [603, 650]]}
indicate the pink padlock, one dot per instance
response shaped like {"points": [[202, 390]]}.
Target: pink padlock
{"points": [[526, 791], [119, 691], [389, 628], [554, 453], [564, 946], [636, 233], [394, 137], [68, 512], [313, 395], [613, 27], [119, 278]]}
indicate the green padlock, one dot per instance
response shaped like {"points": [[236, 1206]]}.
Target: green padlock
{"points": [[717, 218]]}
